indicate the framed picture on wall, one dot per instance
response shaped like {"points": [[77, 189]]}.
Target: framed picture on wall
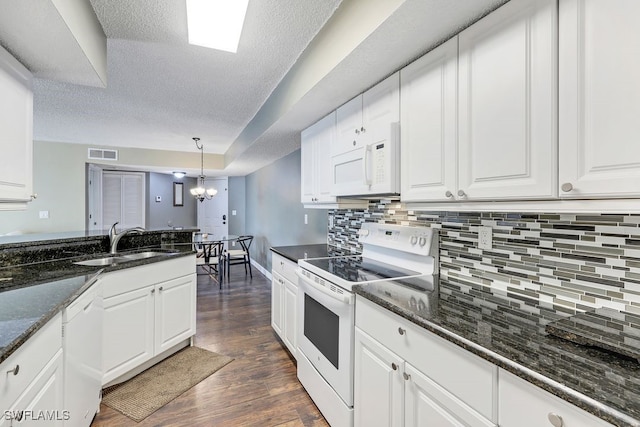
{"points": [[178, 194]]}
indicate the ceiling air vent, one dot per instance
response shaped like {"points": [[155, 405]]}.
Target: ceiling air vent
{"points": [[102, 154]]}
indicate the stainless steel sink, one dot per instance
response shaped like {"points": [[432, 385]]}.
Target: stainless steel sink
{"points": [[144, 255], [100, 261], [119, 259]]}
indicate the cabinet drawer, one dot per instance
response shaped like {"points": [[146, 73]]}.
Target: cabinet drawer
{"points": [[521, 404], [464, 375], [31, 358], [285, 267]]}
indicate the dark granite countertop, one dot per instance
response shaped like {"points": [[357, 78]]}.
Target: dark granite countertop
{"points": [[31, 294], [296, 252], [511, 334]]}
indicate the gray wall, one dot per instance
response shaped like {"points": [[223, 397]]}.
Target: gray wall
{"points": [[162, 214], [237, 202], [275, 216]]}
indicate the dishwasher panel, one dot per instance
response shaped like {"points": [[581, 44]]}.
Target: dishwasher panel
{"points": [[82, 351]]}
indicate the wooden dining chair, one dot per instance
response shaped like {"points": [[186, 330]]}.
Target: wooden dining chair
{"points": [[210, 259], [239, 256]]}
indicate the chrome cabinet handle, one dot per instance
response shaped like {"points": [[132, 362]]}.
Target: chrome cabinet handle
{"points": [[555, 419], [566, 187], [406, 376], [394, 366], [161, 288], [153, 291], [401, 331], [357, 131], [448, 194], [354, 143], [362, 129], [461, 193], [14, 371]]}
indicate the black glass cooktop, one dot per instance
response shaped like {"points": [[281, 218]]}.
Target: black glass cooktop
{"points": [[357, 269]]}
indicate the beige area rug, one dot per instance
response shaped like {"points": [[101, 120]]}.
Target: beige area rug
{"points": [[148, 391]]}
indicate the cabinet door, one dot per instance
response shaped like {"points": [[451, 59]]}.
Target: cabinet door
{"points": [[277, 290], [175, 312], [378, 384], [315, 145], [428, 125], [16, 131], [128, 331], [323, 143], [41, 402], [348, 127], [522, 404], [290, 316], [428, 404], [307, 163], [599, 98], [508, 103]]}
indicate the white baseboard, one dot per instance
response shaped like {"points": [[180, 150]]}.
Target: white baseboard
{"points": [[261, 269]]}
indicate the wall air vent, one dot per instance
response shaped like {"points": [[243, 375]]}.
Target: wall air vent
{"points": [[102, 154]]}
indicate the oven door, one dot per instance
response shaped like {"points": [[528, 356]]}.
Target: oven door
{"points": [[326, 320]]}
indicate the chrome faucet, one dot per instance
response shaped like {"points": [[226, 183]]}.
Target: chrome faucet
{"points": [[114, 237]]}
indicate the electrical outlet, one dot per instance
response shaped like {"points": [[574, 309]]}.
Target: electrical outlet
{"points": [[485, 237], [44, 214]]}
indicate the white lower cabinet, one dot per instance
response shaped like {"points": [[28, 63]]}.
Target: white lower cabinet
{"points": [[284, 291], [145, 314], [378, 384], [31, 390], [405, 375], [522, 404]]}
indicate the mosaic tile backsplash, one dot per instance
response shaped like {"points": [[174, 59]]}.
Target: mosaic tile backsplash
{"points": [[567, 262]]}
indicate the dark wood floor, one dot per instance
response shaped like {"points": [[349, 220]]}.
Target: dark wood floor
{"points": [[259, 388]]}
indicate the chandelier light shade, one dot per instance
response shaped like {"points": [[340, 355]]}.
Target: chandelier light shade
{"points": [[199, 192]]}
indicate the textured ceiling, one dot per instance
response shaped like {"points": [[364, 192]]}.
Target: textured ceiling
{"points": [[161, 91]]}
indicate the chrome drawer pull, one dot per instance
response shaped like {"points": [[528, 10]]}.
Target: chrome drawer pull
{"points": [[14, 370], [394, 366], [401, 331]]}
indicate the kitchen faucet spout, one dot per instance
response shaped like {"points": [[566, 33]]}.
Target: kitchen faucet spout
{"points": [[114, 236]]}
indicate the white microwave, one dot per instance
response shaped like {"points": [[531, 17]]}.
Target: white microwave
{"points": [[368, 168]]}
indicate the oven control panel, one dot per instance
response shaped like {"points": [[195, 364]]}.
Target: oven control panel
{"points": [[418, 240]]}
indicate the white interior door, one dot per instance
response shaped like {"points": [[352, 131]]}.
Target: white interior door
{"points": [[94, 198], [213, 215], [123, 196]]}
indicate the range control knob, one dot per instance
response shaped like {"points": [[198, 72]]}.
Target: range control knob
{"points": [[422, 241], [363, 233], [414, 240]]}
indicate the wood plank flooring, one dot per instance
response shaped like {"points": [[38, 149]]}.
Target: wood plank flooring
{"points": [[259, 388]]}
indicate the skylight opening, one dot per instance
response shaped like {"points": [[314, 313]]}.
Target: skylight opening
{"points": [[216, 24]]}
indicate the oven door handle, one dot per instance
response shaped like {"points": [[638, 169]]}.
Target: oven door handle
{"points": [[346, 298]]}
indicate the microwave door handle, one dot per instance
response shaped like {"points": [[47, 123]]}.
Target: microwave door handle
{"points": [[365, 165]]}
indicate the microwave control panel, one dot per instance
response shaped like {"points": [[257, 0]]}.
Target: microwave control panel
{"points": [[380, 154]]}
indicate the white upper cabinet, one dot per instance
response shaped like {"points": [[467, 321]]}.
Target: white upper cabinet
{"points": [[428, 106], [365, 154], [315, 144], [599, 101], [507, 103], [16, 133]]}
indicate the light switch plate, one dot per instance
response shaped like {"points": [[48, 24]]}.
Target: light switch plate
{"points": [[44, 214]]}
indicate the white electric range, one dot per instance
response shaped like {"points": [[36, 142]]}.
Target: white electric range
{"points": [[326, 306]]}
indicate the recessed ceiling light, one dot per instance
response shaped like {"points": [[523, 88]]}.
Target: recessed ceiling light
{"points": [[179, 174], [216, 24]]}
